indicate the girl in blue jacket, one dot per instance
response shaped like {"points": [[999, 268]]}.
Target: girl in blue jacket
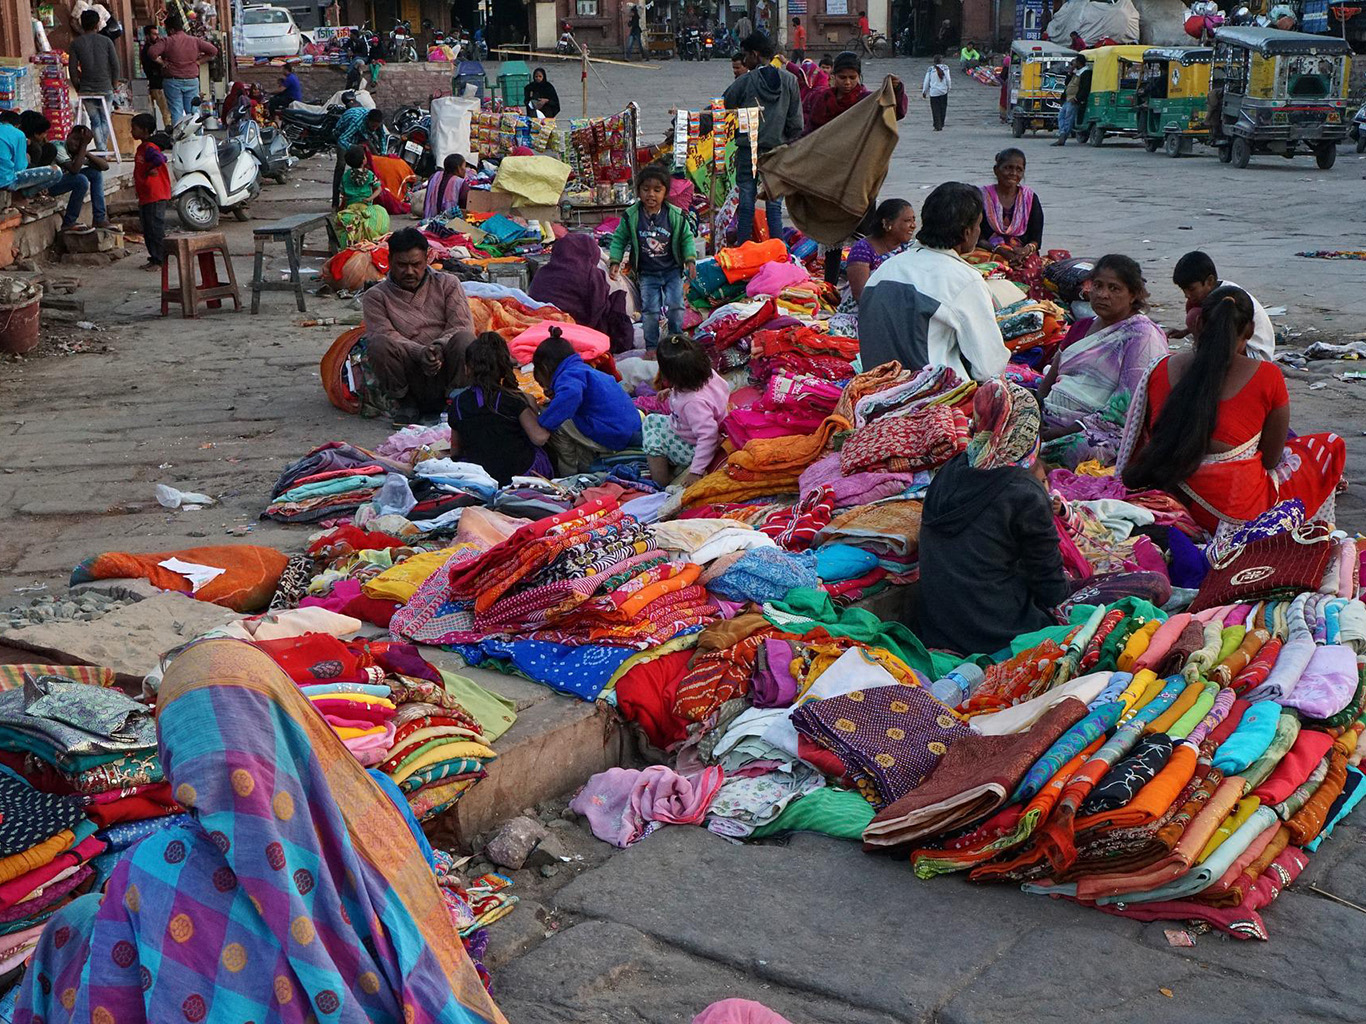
{"points": [[589, 413]]}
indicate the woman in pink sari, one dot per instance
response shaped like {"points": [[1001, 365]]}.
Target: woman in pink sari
{"points": [[1099, 366], [1012, 223]]}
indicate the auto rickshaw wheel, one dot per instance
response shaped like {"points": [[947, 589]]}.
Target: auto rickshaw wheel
{"points": [[1326, 155], [1225, 153], [1096, 136], [1172, 144], [1242, 152], [1361, 142], [1017, 126], [1151, 143]]}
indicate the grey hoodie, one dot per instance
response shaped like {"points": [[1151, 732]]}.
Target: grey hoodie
{"points": [[775, 91]]}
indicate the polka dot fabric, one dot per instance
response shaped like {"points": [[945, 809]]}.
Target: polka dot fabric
{"points": [[889, 737]]}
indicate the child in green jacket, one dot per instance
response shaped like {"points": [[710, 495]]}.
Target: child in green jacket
{"points": [[662, 250]]}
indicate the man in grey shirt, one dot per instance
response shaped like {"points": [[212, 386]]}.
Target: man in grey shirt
{"points": [[94, 72]]}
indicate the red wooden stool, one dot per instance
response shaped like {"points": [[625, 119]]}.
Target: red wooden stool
{"points": [[188, 249]]}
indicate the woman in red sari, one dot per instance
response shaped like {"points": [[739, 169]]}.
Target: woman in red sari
{"points": [[1212, 425]]}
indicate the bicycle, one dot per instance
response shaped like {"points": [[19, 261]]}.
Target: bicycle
{"points": [[874, 44]]}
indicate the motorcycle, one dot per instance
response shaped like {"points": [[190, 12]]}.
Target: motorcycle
{"points": [[309, 133], [1357, 132], [211, 177], [412, 140], [689, 44], [402, 45], [269, 145], [707, 44], [565, 45], [905, 41]]}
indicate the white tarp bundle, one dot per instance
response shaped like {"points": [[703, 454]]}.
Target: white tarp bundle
{"points": [[1094, 21]]}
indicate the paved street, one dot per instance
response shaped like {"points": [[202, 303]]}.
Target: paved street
{"points": [[813, 927]]}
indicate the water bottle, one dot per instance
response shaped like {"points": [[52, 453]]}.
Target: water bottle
{"points": [[958, 685]]}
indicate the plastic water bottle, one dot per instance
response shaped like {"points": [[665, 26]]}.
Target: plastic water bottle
{"points": [[958, 685]]}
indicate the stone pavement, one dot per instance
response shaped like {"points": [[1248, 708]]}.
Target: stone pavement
{"points": [[826, 934]]}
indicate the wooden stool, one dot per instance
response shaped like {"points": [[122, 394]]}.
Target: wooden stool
{"points": [[190, 248], [292, 231]]}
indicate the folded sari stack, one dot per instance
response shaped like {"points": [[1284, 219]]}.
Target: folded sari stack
{"points": [[1157, 786], [932, 386], [1031, 323], [393, 711], [801, 350], [924, 439], [765, 467], [332, 480]]}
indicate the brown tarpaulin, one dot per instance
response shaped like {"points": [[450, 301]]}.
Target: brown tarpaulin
{"points": [[830, 177]]}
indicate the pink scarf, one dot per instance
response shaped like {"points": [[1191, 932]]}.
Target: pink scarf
{"points": [[996, 215]]}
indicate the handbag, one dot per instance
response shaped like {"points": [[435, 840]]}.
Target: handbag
{"points": [[1289, 562]]}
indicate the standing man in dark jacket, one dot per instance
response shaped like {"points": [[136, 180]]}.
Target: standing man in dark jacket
{"points": [[1074, 95], [774, 91], [151, 67], [990, 563], [94, 72]]}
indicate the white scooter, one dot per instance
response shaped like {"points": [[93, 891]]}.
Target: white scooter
{"points": [[210, 176]]}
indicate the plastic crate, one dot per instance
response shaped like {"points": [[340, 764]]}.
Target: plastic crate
{"points": [[513, 79]]}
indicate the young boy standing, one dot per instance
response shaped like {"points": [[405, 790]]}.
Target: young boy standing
{"points": [[152, 182], [1196, 276], [662, 250]]}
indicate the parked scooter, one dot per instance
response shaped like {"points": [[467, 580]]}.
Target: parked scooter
{"points": [[210, 177], [1357, 132], [412, 140], [269, 145]]}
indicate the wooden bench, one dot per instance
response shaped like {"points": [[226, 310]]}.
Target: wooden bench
{"points": [[292, 231]]}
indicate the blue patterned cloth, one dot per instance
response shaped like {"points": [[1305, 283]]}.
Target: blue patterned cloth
{"points": [[766, 574]]}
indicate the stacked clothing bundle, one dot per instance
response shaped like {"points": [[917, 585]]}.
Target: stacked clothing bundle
{"points": [[45, 849], [1032, 323], [332, 480], [567, 599], [801, 350], [394, 711]]}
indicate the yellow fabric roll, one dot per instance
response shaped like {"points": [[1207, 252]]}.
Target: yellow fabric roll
{"points": [[1244, 810], [1136, 645], [35, 856]]}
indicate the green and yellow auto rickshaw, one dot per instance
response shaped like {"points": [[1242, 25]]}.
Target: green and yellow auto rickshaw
{"points": [[1278, 92], [1038, 74], [1173, 98], [1115, 72]]}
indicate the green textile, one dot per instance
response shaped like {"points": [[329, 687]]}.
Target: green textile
{"points": [[1287, 731], [804, 609], [1230, 641], [1078, 615], [1195, 714], [495, 714], [841, 813]]}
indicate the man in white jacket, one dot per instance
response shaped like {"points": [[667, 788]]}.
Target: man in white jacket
{"points": [[928, 306]]}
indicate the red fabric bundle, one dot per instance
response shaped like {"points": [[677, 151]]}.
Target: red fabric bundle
{"points": [[646, 693]]}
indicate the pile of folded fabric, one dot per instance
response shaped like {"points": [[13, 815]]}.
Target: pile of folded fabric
{"points": [[332, 480], [1032, 323], [566, 599], [397, 713], [81, 781]]}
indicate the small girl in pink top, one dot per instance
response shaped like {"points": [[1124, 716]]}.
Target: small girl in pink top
{"points": [[698, 401]]}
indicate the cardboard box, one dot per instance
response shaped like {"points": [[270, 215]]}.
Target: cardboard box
{"points": [[484, 201], [123, 132]]}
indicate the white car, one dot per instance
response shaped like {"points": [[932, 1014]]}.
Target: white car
{"points": [[268, 32]]}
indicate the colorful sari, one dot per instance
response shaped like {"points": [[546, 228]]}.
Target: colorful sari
{"points": [[1098, 374], [297, 894], [1008, 228]]}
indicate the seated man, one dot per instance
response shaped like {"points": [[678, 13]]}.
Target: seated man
{"points": [[291, 90], [417, 327], [78, 171], [928, 306]]}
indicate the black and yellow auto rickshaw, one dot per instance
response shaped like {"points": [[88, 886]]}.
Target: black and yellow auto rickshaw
{"points": [[1038, 75], [1173, 98], [1114, 89], [1278, 92]]}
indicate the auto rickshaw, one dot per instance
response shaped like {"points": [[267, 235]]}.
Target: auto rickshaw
{"points": [[1114, 84], [1038, 74], [1278, 92], [1173, 98]]}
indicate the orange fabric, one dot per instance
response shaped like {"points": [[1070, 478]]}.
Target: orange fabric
{"points": [[509, 317], [1183, 703], [1152, 801], [35, 856], [247, 585], [743, 262], [394, 174], [332, 369], [13, 675], [1309, 820], [686, 577], [1179, 861], [792, 453]]}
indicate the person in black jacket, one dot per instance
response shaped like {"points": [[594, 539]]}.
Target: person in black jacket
{"points": [[990, 562]]}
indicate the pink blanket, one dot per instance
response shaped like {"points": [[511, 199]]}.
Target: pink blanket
{"points": [[620, 802]]}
